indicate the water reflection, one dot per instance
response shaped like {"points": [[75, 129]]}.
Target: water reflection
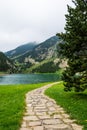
{"points": [[1, 78]]}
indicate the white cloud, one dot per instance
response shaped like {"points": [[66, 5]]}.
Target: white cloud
{"points": [[23, 21]]}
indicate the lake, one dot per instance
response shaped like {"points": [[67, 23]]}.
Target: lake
{"points": [[28, 78]]}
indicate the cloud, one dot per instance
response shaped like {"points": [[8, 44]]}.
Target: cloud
{"points": [[23, 21]]}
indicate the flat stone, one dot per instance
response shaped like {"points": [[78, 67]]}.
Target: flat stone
{"points": [[62, 111], [40, 105], [58, 127], [44, 101], [65, 115], [41, 110], [50, 104], [29, 108], [51, 113], [38, 128], [29, 105], [44, 117], [76, 127], [68, 121], [26, 114], [40, 113], [28, 97], [29, 111], [24, 124], [52, 109], [38, 108], [30, 101], [52, 121], [57, 116], [30, 118], [35, 123], [34, 102], [25, 128]]}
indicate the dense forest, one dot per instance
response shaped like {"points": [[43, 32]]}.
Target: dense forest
{"points": [[6, 65], [74, 47]]}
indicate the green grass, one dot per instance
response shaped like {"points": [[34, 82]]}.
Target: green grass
{"points": [[3, 73], [12, 104], [75, 104]]}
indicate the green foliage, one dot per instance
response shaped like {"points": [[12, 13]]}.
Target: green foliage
{"points": [[12, 104], [74, 103], [23, 66], [74, 47], [3, 65], [6, 64], [47, 66]]}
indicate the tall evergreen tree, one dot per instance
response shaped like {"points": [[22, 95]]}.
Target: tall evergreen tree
{"points": [[74, 47]]}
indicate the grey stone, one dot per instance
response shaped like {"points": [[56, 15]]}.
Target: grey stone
{"points": [[44, 117], [52, 121], [30, 118], [25, 128], [38, 128], [76, 127], [58, 127], [35, 123]]}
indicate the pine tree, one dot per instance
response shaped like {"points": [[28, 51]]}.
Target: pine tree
{"points": [[74, 47]]}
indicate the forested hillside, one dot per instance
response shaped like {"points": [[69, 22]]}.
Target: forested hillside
{"points": [[6, 64], [20, 50]]}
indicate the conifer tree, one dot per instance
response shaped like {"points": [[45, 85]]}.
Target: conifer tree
{"points": [[74, 47]]}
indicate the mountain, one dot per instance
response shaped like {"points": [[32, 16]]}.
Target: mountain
{"points": [[20, 50], [45, 50], [40, 52], [39, 58], [6, 64]]}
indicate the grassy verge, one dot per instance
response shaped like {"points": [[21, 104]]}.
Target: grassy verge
{"points": [[12, 103], [75, 104], [3, 73]]}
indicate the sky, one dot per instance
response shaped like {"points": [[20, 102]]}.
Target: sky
{"points": [[24, 21]]}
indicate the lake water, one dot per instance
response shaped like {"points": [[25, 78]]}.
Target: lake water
{"points": [[28, 78]]}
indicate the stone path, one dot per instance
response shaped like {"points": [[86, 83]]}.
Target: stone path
{"points": [[42, 113]]}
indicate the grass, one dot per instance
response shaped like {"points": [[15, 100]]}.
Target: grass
{"points": [[74, 103], [2, 73], [12, 104]]}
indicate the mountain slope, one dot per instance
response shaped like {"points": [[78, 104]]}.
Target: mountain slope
{"points": [[41, 58], [6, 64], [45, 50], [46, 66], [20, 50], [42, 51]]}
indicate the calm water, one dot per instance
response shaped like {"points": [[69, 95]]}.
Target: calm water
{"points": [[28, 78]]}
